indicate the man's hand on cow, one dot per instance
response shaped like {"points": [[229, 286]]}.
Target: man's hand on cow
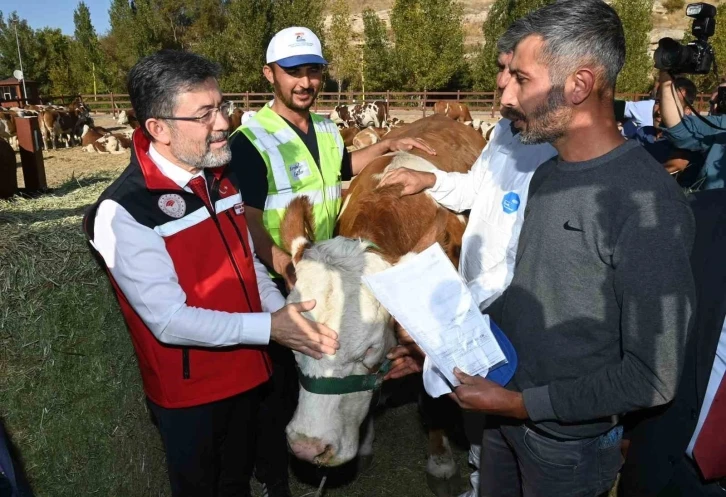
{"points": [[412, 181], [293, 330], [404, 361], [406, 358], [479, 394], [406, 144]]}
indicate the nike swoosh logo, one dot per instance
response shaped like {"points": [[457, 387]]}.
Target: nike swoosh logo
{"points": [[569, 227]]}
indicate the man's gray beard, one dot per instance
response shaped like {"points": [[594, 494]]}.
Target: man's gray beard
{"points": [[210, 160], [550, 122]]}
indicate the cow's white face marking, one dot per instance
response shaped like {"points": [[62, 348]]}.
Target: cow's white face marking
{"points": [[330, 273]]}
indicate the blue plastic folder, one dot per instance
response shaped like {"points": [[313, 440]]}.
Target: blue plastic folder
{"points": [[503, 374]]}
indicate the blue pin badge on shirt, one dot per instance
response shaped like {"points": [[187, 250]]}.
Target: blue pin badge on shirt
{"points": [[510, 202]]}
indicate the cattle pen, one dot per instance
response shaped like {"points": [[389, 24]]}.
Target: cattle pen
{"points": [[423, 101]]}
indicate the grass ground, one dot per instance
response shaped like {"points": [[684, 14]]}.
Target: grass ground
{"points": [[70, 394]]}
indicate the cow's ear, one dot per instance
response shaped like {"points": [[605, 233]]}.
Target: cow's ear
{"points": [[297, 249], [297, 231]]}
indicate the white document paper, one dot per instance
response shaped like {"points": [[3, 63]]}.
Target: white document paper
{"points": [[426, 295]]}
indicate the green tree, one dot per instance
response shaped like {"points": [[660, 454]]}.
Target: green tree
{"points": [[343, 55], [59, 54], [241, 47], [637, 24], [305, 13], [29, 49], [85, 50], [429, 40], [135, 32], [209, 20], [501, 15], [377, 54]]}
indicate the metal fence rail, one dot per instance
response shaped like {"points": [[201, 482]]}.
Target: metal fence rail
{"points": [[423, 101]]}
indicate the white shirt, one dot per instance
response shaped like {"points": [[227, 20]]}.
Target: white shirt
{"points": [[138, 260], [714, 381], [640, 112], [495, 189]]}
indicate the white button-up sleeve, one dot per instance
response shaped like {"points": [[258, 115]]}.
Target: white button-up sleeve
{"points": [[137, 258], [270, 296]]}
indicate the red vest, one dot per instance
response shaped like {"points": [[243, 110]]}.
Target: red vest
{"points": [[214, 266]]}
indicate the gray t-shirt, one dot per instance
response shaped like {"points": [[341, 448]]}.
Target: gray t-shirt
{"points": [[602, 294]]}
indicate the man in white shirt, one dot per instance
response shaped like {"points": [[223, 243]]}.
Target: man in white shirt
{"points": [[495, 191], [200, 307]]}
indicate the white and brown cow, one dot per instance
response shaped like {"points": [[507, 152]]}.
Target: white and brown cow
{"points": [[376, 228], [342, 115], [7, 129], [55, 124], [455, 110], [348, 134], [128, 116], [368, 137]]}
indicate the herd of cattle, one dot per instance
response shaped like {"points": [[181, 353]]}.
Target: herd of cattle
{"points": [[68, 125], [360, 125]]}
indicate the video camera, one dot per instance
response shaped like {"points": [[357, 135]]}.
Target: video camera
{"points": [[697, 57]]}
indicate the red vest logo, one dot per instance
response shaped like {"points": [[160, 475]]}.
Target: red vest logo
{"points": [[172, 205]]}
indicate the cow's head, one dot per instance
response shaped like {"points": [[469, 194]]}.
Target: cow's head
{"points": [[325, 427]]}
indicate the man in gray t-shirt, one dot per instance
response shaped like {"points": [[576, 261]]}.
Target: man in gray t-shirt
{"points": [[601, 299]]}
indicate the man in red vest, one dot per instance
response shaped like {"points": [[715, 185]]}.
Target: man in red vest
{"points": [[201, 309]]}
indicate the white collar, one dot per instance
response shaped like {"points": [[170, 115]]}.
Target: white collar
{"points": [[171, 170]]}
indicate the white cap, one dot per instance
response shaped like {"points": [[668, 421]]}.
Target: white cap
{"points": [[294, 47]]}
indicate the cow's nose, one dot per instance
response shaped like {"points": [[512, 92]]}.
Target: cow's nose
{"points": [[312, 450]]}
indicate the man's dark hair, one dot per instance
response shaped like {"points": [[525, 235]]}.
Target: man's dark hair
{"points": [[687, 87], [575, 32], [156, 80]]}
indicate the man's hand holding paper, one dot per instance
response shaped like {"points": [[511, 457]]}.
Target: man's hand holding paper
{"points": [[428, 297]]}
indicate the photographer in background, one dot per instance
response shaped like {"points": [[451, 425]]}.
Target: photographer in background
{"points": [[685, 165], [691, 132]]}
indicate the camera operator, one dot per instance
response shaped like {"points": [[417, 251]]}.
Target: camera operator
{"points": [[685, 165], [690, 132]]}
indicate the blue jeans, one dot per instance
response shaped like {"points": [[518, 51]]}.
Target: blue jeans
{"points": [[517, 461]]}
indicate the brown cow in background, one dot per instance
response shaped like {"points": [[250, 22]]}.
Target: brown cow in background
{"points": [[455, 110]]}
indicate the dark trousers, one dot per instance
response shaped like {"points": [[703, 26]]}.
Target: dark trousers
{"points": [[687, 482], [210, 448], [517, 461], [279, 400]]}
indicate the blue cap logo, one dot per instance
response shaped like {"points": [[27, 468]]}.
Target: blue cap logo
{"points": [[510, 202]]}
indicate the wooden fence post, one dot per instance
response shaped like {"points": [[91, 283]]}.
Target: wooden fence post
{"points": [[247, 101], [458, 95], [113, 107], [424, 103], [494, 103]]}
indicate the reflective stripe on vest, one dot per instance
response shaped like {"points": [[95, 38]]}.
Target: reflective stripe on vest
{"points": [[292, 172]]}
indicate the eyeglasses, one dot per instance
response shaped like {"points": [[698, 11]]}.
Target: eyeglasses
{"points": [[206, 118]]}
